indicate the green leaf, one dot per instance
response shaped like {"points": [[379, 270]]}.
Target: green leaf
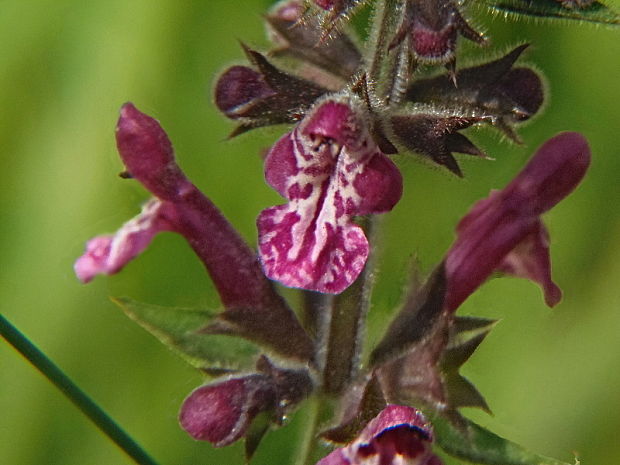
{"points": [[469, 441], [595, 12], [178, 329]]}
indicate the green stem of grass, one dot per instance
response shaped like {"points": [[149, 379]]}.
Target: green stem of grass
{"points": [[54, 374]]}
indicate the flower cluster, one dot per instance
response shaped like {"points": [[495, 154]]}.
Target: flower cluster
{"points": [[350, 110]]}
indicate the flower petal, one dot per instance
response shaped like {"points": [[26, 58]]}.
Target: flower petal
{"points": [[530, 259], [330, 170], [109, 254], [398, 435]]}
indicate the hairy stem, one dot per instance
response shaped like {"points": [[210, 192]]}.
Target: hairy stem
{"points": [[382, 30], [314, 306], [312, 447], [346, 329], [54, 374]]}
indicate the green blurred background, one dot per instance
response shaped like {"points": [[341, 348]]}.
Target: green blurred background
{"points": [[552, 377]]}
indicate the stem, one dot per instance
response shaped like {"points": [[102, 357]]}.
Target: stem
{"points": [[399, 75], [309, 439], [42, 363], [314, 307], [346, 330], [311, 449], [380, 35]]}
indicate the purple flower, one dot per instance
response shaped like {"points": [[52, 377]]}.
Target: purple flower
{"points": [[397, 435], [330, 169], [253, 309], [504, 232], [180, 207]]}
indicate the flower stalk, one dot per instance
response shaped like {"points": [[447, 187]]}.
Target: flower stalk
{"points": [[347, 326]]}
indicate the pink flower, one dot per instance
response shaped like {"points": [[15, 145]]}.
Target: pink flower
{"points": [[109, 254], [504, 232], [180, 207], [253, 309], [398, 435], [330, 169]]}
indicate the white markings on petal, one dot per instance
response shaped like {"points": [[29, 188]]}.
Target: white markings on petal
{"points": [[311, 242]]}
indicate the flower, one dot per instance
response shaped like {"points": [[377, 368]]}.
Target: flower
{"points": [[504, 232], [252, 307], [398, 435], [178, 206], [330, 169]]}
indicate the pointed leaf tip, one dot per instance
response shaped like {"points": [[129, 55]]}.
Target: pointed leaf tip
{"points": [[576, 10], [467, 440], [178, 329]]}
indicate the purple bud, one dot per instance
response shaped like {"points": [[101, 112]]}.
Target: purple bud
{"points": [[147, 153], [222, 412], [327, 4], [504, 231], [432, 27], [399, 434], [338, 6], [263, 96], [239, 87]]}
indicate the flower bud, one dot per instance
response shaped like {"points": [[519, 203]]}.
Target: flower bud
{"points": [[432, 27], [264, 96], [222, 412], [502, 94]]}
